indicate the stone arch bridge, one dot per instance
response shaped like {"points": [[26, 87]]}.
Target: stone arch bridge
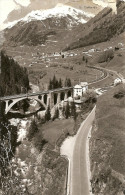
{"points": [[45, 98]]}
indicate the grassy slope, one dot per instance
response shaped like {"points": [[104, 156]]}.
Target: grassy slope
{"points": [[53, 130], [108, 144]]}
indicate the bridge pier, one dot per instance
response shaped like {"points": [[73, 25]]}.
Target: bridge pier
{"points": [[42, 98], [66, 95], [50, 100], [58, 98], [7, 105]]}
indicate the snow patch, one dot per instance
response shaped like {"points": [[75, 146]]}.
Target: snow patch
{"points": [[57, 12]]}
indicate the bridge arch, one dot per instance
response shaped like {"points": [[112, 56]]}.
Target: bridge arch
{"points": [[45, 99], [62, 96], [55, 98], [18, 100], [69, 93]]}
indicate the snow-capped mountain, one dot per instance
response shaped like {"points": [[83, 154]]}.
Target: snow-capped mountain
{"points": [[36, 27], [59, 11], [74, 16]]}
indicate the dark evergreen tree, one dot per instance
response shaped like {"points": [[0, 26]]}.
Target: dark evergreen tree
{"points": [[2, 110], [13, 77], [54, 83], [60, 83], [56, 114], [73, 110], [47, 114], [50, 85], [67, 110], [32, 130], [68, 82]]}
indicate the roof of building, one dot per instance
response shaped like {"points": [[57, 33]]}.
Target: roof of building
{"points": [[118, 79], [77, 87]]}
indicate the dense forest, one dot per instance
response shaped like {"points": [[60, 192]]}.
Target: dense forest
{"points": [[13, 78]]}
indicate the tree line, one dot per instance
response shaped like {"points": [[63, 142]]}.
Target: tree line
{"points": [[57, 83], [69, 110]]}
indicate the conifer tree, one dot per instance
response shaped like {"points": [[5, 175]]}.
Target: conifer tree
{"points": [[47, 114], [67, 110], [50, 85], [60, 83], [56, 114], [73, 110], [32, 130], [68, 82]]}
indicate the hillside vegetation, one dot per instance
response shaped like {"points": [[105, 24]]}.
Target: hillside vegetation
{"points": [[108, 144], [13, 77], [101, 28]]}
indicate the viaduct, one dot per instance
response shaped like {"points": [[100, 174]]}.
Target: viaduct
{"points": [[45, 98]]}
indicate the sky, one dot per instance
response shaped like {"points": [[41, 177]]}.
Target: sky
{"points": [[6, 6], [11, 10]]}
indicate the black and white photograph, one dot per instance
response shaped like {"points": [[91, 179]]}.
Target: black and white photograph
{"points": [[62, 97]]}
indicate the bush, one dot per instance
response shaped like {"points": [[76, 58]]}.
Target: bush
{"points": [[106, 55], [90, 97], [56, 114], [119, 93], [32, 130], [39, 141]]}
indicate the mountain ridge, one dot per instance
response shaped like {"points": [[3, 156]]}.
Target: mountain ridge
{"points": [[58, 11], [34, 28], [104, 26]]}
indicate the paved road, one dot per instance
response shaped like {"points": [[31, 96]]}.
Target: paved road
{"points": [[79, 172]]}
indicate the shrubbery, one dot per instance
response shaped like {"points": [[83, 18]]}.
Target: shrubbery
{"points": [[106, 56], [36, 136], [120, 92]]}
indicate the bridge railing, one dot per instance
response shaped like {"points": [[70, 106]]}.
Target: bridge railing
{"points": [[34, 94]]}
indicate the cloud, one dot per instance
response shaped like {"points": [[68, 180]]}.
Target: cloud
{"points": [[23, 2], [6, 6]]}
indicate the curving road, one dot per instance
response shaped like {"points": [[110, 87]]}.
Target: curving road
{"points": [[79, 167]]}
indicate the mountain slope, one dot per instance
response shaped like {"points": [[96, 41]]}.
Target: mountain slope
{"points": [[36, 26], [108, 135], [101, 28]]}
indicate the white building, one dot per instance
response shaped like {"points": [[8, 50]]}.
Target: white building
{"points": [[79, 90], [117, 81]]}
